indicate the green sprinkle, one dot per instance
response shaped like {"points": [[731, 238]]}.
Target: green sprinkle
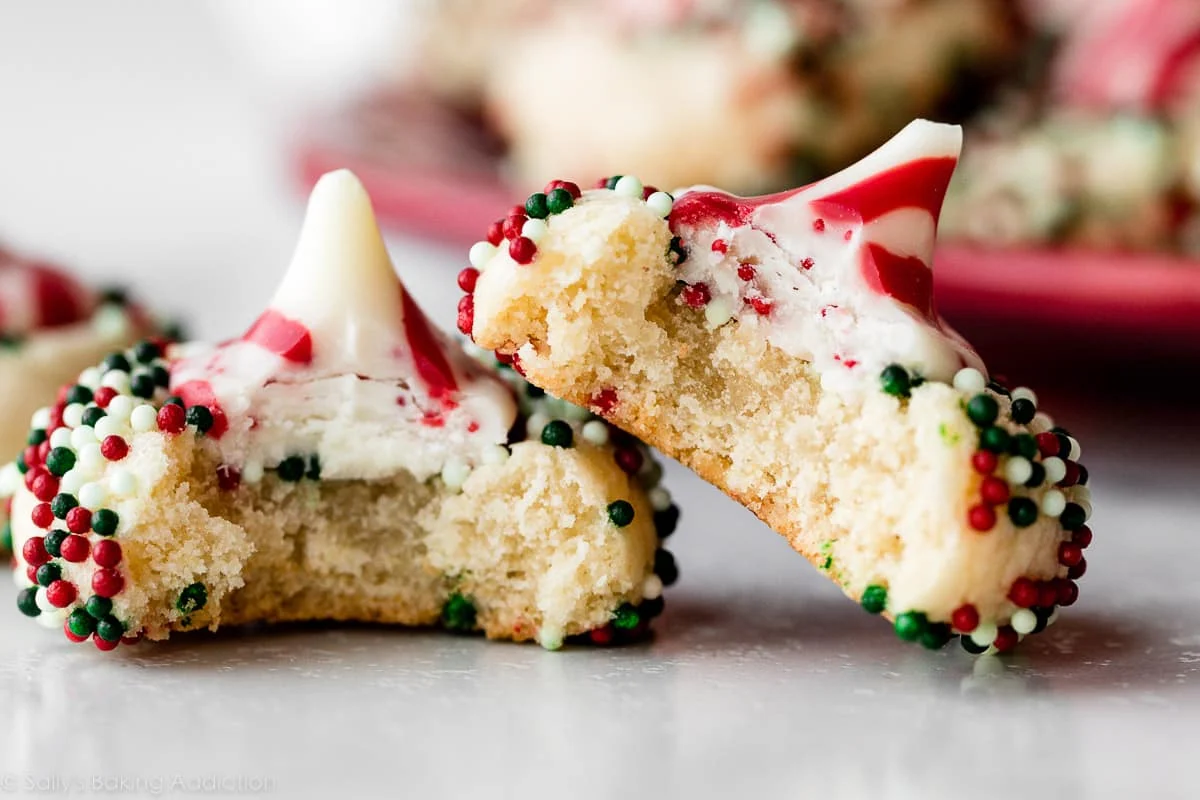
{"points": [[559, 200], [1023, 444], [626, 617], [558, 433], [105, 521], [827, 564], [92, 415], [117, 362], [81, 623], [535, 206], [935, 636], [37, 436], [98, 607], [994, 439], [62, 504], [110, 629], [146, 352], [48, 573], [1022, 511], [53, 542], [611, 183], [910, 625], [895, 381], [1073, 517], [6, 539], [620, 513], [60, 461], [665, 567], [459, 613], [79, 394], [27, 602], [314, 468], [192, 598], [142, 385], [161, 376], [291, 469], [199, 416], [874, 599], [983, 410]]}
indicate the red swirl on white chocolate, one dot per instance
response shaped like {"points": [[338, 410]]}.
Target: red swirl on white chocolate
{"points": [[34, 296], [343, 363], [838, 271], [1129, 54]]}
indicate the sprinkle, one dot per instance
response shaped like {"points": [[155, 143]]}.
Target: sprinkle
{"points": [[193, 598], [910, 625], [550, 637], [981, 517], [40, 419], [535, 423], [1022, 511], [61, 438], [985, 634], [172, 419], [746, 272], [874, 599], [535, 230], [60, 460], [560, 199], [109, 426], [114, 448], [122, 483], [1023, 621], [535, 206], [48, 574], [109, 630], [73, 414], [717, 313], [1056, 468], [1054, 502], [291, 469], [620, 513], [652, 587], [75, 548], [665, 567], [1075, 451], [466, 314], [1018, 470], [105, 522], [1023, 393], [965, 618], [660, 203], [43, 602], [61, 594], [994, 439], [252, 471], [459, 614], [629, 186], [629, 459], [480, 254], [558, 433], [1073, 516], [455, 473], [92, 495], [144, 418], [983, 410], [522, 250], [660, 498], [90, 458], [117, 380], [200, 417], [696, 295], [495, 455], [969, 380], [894, 380], [81, 437], [595, 431], [81, 624], [107, 582]]}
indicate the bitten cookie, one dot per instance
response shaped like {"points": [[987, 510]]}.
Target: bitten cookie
{"points": [[787, 349], [342, 460], [51, 327]]}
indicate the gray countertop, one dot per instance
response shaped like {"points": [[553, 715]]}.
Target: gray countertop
{"points": [[132, 145]]}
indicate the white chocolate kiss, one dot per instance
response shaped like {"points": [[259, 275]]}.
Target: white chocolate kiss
{"points": [[827, 313], [364, 402]]}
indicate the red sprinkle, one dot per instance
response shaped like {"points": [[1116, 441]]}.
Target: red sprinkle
{"points": [[512, 226], [984, 461], [172, 419], [34, 456], [61, 593], [75, 548], [819, 225], [503, 358], [629, 459], [31, 573], [982, 518], [79, 520], [495, 234], [761, 305], [34, 551], [746, 272], [1067, 592], [1072, 476], [965, 618], [1047, 444], [466, 314], [602, 636], [1006, 639], [720, 246], [114, 448], [1082, 537], [467, 279], [602, 183], [107, 553], [848, 235], [807, 263], [42, 515], [107, 582], [993, 490], [1078, 570], [104, 645], [1069, 554], [603, 401], [1023, 593], [522, 250], [45, 486], [696, 295], [229, 477]]}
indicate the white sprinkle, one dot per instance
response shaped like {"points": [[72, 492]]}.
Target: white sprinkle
{"points": [[20, 578], [120, 407], [660, 203], [43, 602], [481, 253], [1018, 470], [111, 321], [629, 186], [109, 426], [1042, 422], [1075, 450], [92, 495], [550, 637], [1056, 469], [1023, 621], [1053, 503], [660, 498], [535, 230], [72, 481], [73, 415], [82, 437], [144, 418], [90, 378], [574, 412], [717, 313], [1053, 618], [652, 587], [90, 457], [534, 425], [117, 380], [984, 634], [969, 380], [40, 419], [252, 472], [595, 432], [495, 455], [122, 483], [61, 438], [455, 473], [10, 480], [1024, 393], [53, 618]]}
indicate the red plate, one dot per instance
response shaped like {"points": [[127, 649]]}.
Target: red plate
{"points": [[432, 171]]}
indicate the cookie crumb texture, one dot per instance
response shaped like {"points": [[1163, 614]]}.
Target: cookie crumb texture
{"points": [[950, 507]]}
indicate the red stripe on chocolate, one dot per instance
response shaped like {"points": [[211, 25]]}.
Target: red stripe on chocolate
{"points": [[284, 337], [916, 184], [426, 348], [904, 278]]}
